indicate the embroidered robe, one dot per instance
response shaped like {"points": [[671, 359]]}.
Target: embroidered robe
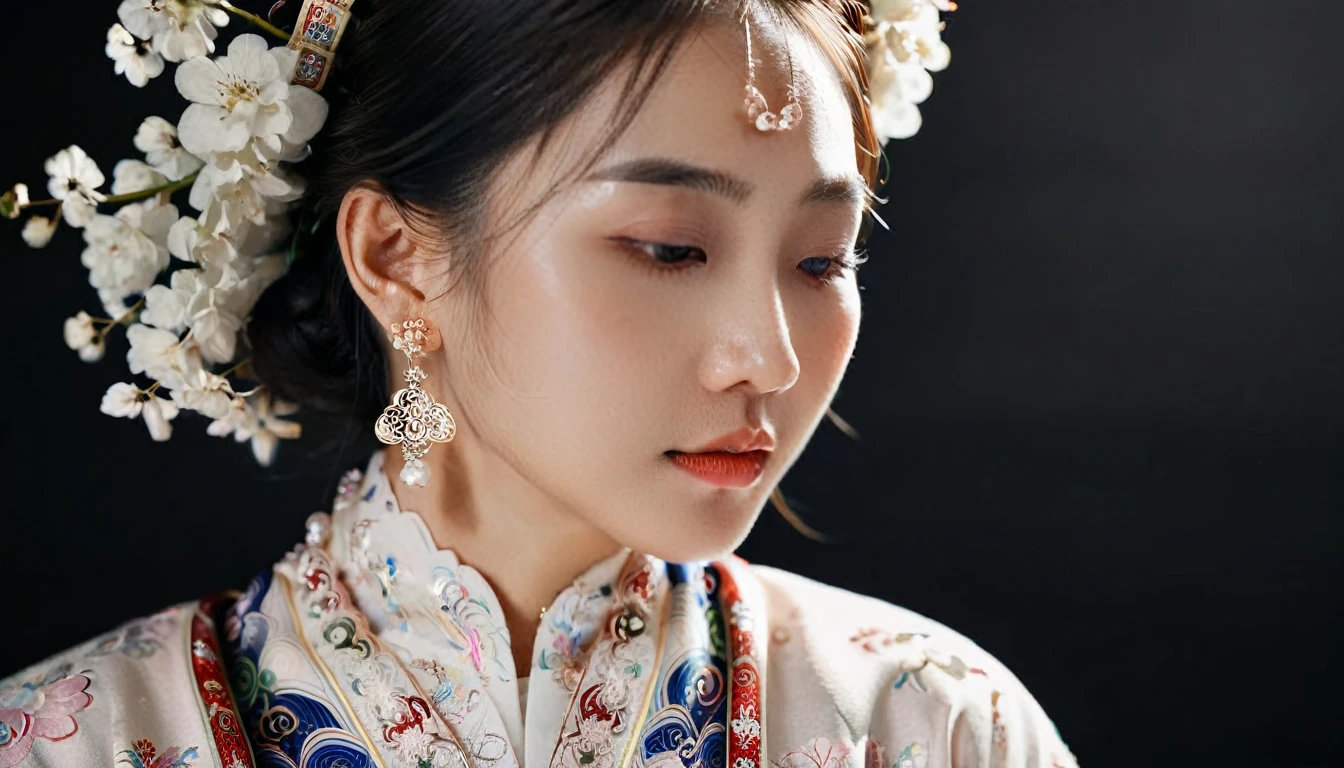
{"points": [[368, 645]]}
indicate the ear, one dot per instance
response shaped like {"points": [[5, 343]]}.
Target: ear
{"points": [[382, 257]]}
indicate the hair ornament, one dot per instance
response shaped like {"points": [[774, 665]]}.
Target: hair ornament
{"points": [[904, 43]]}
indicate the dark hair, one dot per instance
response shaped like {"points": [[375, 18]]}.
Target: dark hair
{"points": [[427, 99]]}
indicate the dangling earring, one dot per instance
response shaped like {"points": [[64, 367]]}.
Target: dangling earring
{"points": [[414, 420], [758, 111]]}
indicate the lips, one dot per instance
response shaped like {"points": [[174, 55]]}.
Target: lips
{"points": [[726, 469], [739, 441]]}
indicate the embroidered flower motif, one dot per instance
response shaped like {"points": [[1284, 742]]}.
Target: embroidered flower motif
{"points": [[573, 623], [917, 655], [138, 639], [747, 726], [742, 616], [913, 756], [143, 754], [874, 754], [821, 752], [42, 706], [451, 698], [591, 747]]}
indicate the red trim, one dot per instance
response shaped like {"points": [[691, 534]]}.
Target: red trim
{"points": [[213, 688], [744, 673]]}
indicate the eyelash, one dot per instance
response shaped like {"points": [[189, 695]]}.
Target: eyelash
{"points": [[835, 265]]}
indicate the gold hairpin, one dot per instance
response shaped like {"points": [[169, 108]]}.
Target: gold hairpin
{"points": [[316, 35]]}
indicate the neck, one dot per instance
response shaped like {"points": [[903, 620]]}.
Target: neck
{"points": [[525, 544]]}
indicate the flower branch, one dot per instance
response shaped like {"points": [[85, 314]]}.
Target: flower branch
{"points": [[254, 20]]}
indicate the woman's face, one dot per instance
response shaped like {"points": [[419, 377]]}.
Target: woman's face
{"points": [[688, 288]]}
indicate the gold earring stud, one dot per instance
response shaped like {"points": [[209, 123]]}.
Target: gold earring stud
{"points": [[413, 420]]}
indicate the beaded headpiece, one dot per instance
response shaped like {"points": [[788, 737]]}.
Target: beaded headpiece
{"points": [[251, 113]]}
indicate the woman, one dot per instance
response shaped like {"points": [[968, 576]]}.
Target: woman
{"points": [[632, 297]]}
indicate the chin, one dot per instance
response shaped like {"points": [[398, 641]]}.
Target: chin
{"points": [[687, 536]]}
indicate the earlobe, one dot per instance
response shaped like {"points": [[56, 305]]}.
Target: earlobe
{"points": [[380, 253]]}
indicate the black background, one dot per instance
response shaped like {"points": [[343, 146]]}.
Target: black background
{"points": [[1098, 385]]}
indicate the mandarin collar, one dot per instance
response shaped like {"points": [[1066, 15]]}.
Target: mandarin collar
{"points": [[422, 597]]}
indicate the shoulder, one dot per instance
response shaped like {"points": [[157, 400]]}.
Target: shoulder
{"points": [[141, 691], [901, 684]]}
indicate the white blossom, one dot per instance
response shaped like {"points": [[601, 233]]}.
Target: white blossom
{"points": [[79, 330], [157, 138], [905, 45], [179, 29], [135, 176], [160, 354], [190, 241], [122, 400], [81, 336], [208, 305], [232, 200], [158, 413], [164, 309], [136, 59], [129, 401], [13, 201], [75, 179], [38, 231], [210, 395], [261, 425], [238, 97], [122, 258]]}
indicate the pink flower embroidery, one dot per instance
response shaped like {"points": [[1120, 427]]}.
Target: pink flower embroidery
{"points": [[41, 707], [821, 752], [144, 754]]}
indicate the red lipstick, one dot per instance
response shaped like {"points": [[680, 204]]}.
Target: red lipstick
{"points": [[734, 460]]}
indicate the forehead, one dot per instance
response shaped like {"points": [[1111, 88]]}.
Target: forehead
{"points": [[695, 111]]}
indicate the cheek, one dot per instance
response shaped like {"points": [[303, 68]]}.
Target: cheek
{"points": [[570, 349], [824, 338]]}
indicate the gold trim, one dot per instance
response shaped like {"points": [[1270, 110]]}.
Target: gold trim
{"points": [[564, 723], [326, 671], [638, 723]]}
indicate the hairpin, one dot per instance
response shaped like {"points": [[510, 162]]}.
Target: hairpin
{"points": [[316, 35], [758, 111]]}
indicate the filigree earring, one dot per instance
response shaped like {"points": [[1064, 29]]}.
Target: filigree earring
{"points": [[758, 110], [414, 420]]}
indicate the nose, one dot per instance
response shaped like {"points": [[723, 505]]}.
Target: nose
{"points": [[751, 346]]}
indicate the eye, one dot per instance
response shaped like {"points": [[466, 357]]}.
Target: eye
{"points": [[826, 269], [667, 254]]}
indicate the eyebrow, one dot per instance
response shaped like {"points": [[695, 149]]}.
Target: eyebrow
{"points": [[653, 170]]}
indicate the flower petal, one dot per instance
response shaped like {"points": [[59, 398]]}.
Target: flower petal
{"points": [[198, 81]]}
